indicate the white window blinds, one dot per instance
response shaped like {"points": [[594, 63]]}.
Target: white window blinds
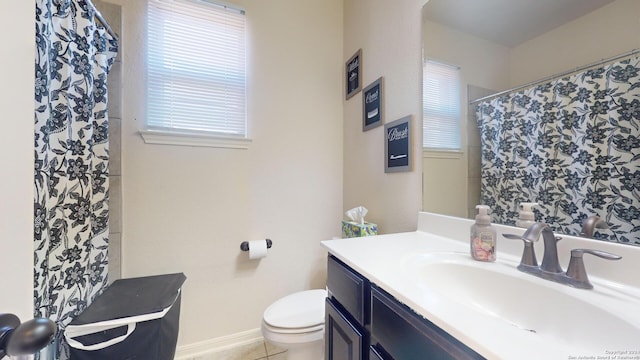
{"points": [[196, 68], [441, 106]]}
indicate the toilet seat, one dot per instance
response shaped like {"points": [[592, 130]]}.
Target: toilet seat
{"points": [[305, 330], [299, 312], [289, 337]]}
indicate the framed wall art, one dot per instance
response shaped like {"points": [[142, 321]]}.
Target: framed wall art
{"points": [[397, 145], [372, 105], [353, 74]]}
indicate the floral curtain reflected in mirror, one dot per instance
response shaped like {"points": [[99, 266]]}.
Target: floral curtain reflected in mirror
{"points": [[572, 145]]}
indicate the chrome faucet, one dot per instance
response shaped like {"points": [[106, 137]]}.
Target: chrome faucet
{"points": [[550, 269], [590, 224], [550, 261]]}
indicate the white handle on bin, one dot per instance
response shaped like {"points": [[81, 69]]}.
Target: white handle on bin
{"points": [[72, 331], [78, 345]]}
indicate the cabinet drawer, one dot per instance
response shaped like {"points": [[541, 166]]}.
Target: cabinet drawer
{"points": [[404, 335], [349, 289]]}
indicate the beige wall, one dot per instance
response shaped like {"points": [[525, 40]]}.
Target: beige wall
{"points": [[608, 31], [187, 209], [388, 32], [17, 36], [482, 63]]}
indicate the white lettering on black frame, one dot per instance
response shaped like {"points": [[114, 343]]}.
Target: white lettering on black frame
{"points": [[398, 145], [372, 105], [353, 71]]}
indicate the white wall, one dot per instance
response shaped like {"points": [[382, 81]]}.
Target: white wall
{"points": [[17, 36], [388, 32], [187, 209], [482, 63], [608, 31]]}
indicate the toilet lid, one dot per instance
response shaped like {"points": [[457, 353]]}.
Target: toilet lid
{"points": [[298, 310]]}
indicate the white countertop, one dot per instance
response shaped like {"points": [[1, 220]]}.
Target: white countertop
{"points": [[380, 259]]}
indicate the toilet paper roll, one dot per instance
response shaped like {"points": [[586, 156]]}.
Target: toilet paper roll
{"points": [[257, 249]]}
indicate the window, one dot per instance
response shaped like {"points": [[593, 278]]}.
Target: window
{"points": [[196, 69], [441, 106]]}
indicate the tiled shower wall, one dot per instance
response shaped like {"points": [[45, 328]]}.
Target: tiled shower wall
{"points": [[113, 15]]}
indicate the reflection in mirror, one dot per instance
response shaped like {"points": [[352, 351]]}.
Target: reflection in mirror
{"points": [[502, 45]]}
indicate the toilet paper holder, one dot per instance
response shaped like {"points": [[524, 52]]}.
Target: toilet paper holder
{"points": [[244, 246]]}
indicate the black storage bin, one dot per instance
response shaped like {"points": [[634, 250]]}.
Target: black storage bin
{"points": [[133, 318]]}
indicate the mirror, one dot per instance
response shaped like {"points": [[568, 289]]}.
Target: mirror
{"points": [[503, 44]]}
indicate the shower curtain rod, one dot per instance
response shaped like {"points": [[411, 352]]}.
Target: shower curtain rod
{"points": [[556, 76], [102, 21]]}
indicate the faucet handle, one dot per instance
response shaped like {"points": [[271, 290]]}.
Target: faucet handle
{"points": [[599, 253], [576, 271], [528, 254], [516, 237]]}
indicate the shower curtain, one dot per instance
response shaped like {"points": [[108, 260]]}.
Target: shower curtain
{"points": [[573, 146], [73, 58]]}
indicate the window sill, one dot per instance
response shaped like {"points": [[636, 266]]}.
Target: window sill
{"points": [[177, 138], [441, 154]]}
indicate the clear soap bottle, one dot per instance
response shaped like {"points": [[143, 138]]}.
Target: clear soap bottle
{"points": [[483, 236], [527, 217]]}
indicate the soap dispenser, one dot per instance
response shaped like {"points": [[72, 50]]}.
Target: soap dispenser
{"points": [[527, 217], [483, 236]]}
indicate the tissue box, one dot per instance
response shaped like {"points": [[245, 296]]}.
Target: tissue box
{"points": [[352, 229]]}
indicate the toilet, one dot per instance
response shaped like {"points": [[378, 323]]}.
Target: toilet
{"points": [[296, 323]]}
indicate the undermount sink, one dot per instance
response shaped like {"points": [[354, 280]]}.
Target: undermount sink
{"points": [[592, 320]]}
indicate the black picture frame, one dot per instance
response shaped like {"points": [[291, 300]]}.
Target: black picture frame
{"points": [[353, 74], [373, 105], [397, 145]]}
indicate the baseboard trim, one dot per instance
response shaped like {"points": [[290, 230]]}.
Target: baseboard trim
{"points": [[186, 352]]}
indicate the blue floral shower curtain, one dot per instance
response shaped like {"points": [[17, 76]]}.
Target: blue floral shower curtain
{"points": [[573, 146], [73, 58]]}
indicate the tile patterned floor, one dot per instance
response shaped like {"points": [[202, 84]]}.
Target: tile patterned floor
{"points": [[254, 351]]}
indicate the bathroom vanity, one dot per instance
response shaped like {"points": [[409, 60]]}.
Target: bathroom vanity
{"points": [[419, 295], [362, 317]]}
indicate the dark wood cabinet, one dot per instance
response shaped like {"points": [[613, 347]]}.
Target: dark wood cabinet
{"points": [[347, 313], [343, 340], [374, 354], [363, 322], [349, 289], [404, 335]]}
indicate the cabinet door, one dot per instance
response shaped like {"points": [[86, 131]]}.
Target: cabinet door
{"points": [[406, 336], [343, 340], [374, 354]]}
